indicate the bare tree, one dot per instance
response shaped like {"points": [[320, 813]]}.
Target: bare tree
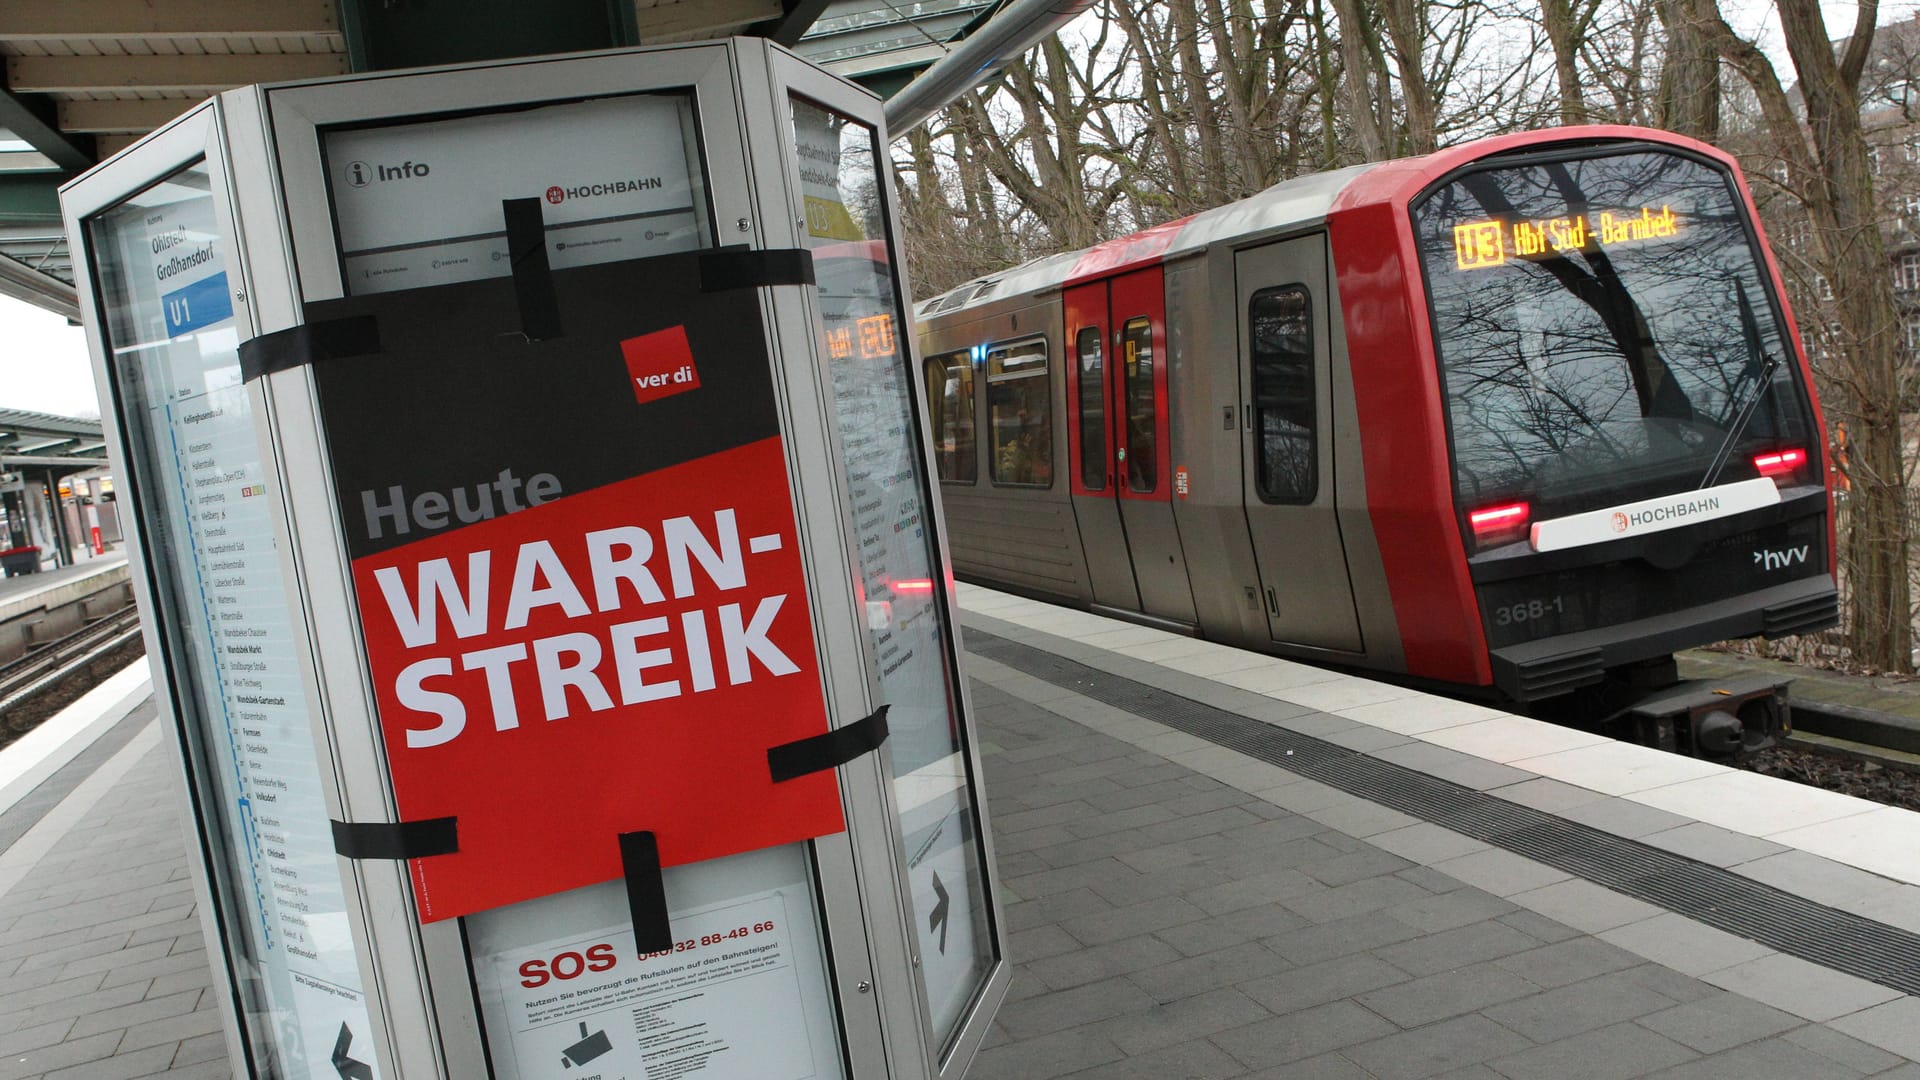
{"points": [[1825, 162], [1690, 80]]}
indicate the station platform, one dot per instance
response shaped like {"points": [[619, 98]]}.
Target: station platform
{"points": [[42, 607], [50, 588], [1213, 864]]}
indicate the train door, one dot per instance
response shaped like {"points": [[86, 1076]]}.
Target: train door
{"points": [[1285, 359], [1122, 482], [1090, 450]]}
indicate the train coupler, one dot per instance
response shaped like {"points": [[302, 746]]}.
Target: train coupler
{"points": [[1710, 718]]}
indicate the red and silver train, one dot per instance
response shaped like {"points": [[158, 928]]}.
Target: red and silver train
{"points": [[1521, 417]]}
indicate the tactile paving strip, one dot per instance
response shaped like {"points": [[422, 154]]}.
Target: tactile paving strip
{"points": [[1791, 924]]}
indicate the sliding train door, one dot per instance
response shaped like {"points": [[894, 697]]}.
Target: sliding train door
{"points": [[1122, 482], [1285, 358]]}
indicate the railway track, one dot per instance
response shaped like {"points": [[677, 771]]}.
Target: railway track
{"points": [[25, 680]]}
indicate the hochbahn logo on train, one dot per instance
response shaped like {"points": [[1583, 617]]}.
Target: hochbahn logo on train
{"points": [[1478, 245]]}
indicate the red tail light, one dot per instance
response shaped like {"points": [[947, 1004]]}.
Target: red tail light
{"points": [[1499, 524], [1780, 462]]}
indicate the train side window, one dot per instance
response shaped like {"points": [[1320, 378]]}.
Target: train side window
{"points": [[950, 410], [1280, 327], [1093, 409], [1019, 414], [1136, 342]]}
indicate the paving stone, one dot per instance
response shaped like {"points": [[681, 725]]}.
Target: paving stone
{"points": [[1197, 1060], [1045, 1057], [1688, 947], [1369, 862], [171, 1029], [1318, 984], [1358, 933], [1324, 1067], [201, 1048], [1719, 1022], [1175, 1022], [1359, 817], [1802, 988], [1302, 1034], [1418, 1002], [139, 1012], [1027, 946], [1204, 936], [1585, 906], [1610, 1053], [1211, 971], [1372, 894], [1462, 907], [1262, 890], [1104, 961], [1578, 1007], [1893, 1026], [1501, 873], [1570, 961], [1844, 1049], [1772, 1059], [210, 1070], [119, 1067], [1063, 1009], [21, 1040], [61, 1055], [1455, 948], [1437, 1048]]}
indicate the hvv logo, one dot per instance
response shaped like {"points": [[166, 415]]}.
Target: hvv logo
{"points": [[1780, 560]]}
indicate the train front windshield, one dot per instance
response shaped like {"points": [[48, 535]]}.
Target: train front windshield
{"points": [[1604, 332]]}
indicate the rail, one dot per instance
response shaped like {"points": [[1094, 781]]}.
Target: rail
{"points": [[31, 675]]}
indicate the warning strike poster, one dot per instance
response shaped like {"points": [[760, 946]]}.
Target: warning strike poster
{"points": [[579, 577]]}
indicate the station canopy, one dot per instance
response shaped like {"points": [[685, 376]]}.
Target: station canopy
{"points": [[85, 78], [32, 441]]}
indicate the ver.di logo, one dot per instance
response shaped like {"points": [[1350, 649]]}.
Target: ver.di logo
{"points": [[1619, 523]]}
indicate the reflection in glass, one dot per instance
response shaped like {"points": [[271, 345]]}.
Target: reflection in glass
{"points": [[1020, 410], [933, 790], [236, 675], [950, 409], [1601, 324], [1136, 343], [1280, 327], [1093, 409]]}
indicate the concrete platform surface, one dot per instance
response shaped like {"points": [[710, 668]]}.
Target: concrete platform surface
{"points": [[1176, 910]]}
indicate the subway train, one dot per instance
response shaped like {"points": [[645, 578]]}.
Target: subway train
{"points": [[1519, 418]]}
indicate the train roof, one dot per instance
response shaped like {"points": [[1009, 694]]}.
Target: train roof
{"points": [[1304, 200]]}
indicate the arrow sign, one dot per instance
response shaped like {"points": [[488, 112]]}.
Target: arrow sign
{"points": [[346, 1066], [937, 920]]}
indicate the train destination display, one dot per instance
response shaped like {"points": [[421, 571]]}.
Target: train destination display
{"points": [[1481, 244], [174, 344]]}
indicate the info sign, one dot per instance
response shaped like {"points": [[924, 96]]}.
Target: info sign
{"points": [[578, 575]]}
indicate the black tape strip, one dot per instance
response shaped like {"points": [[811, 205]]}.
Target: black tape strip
{"points": [[829, 751], [646, 892], [396, 840], [532, 276], [741, 268], [329, 339]]}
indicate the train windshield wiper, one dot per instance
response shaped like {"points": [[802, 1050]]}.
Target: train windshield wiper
{"points": [[1760, 367]]}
